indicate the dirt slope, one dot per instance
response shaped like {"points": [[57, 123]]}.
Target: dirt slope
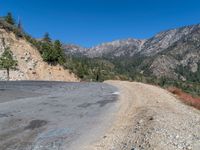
{"points": [[30, 64], [151, 118]]}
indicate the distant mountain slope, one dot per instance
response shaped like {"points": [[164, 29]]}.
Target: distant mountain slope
{"points": [[163, 40], [30, 63], [173, 53], [182, 58], [131, 47], [113, 49], [71, 49], [128, 47]]}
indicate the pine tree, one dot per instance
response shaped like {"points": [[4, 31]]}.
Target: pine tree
{"points": [[59, 52], [9, 19], [58, 45], [47, 38], [7, 62], [19, 25]]}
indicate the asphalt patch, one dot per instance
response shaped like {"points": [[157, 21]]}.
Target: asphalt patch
{"points": [[4, 115], [105, 102], [101, 103], [34, 124]]}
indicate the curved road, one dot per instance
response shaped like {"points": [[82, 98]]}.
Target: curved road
{"points": [[42, 115], [90, 116]]}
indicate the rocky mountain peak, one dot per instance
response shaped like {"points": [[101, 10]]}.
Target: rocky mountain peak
{"points": [[163, 40]]}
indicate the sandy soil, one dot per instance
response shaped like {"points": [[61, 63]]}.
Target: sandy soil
{"points": [[151, 118]]}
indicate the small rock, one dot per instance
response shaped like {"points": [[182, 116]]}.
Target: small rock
{"points": [[151, 118], [139, 122], [189, 148]]}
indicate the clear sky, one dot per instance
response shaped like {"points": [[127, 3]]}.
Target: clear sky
{"points": [[91, 22]]}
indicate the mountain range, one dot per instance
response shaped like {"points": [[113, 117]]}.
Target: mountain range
{"points": [[173, 53]]}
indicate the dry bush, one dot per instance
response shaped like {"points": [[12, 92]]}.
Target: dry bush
{"points": [[185, 97]]}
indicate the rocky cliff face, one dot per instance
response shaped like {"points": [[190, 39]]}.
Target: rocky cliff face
{"points": [[30, 64], [76, 50], [118, 48], [165, 39], [128, 47], [184, 52]]}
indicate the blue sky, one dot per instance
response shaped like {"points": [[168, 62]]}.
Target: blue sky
{"points": [[91, 22]]}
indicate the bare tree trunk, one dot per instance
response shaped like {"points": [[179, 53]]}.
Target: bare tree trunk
{"points": [[8, 74]]}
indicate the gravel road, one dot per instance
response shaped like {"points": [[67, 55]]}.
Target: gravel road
{"points": [[38, 115], [151, 118], [91, 116]]}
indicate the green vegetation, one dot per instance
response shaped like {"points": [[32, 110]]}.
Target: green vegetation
{"points": [[188, 87], [47, 38], [52, 52], [186, 72], [91, 69], [9, 19], [10, 26], [7, 62]]}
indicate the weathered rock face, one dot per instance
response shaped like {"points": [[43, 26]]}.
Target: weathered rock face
{"points": [[163, 40], [71, 49], [163, 66], [184, 52], [30, 64], [118, 48]]}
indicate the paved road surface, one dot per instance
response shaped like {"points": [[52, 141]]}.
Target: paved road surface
{"points": [[54, 115]]}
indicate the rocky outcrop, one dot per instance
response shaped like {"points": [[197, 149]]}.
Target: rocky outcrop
{"points": [[128, 47], [163, 40], [71, 49], [185, 52], [118, 48], [30, 64], [164, 66]]}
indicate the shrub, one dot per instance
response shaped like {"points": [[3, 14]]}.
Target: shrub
{"points": [[185, 97]]}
